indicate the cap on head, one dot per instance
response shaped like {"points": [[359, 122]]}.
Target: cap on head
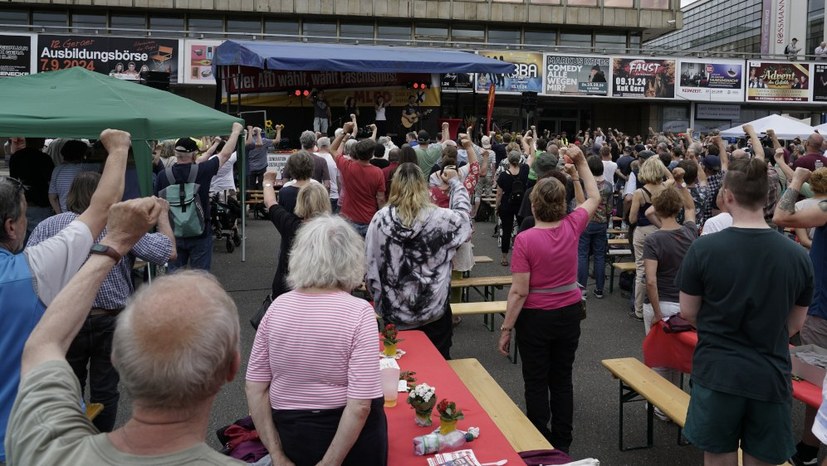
{"points": [[423, 137], [186, 146], [486, 142], [545, 163], [713, 162], [645, 154], [640, 148]]}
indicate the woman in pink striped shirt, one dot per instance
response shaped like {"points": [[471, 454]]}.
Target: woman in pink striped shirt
{"points": [[313, 383]]}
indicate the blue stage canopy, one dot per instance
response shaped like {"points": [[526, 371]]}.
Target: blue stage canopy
{"points": [[357, 58]]}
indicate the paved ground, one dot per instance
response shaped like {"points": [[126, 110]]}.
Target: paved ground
{"points": [[607, 332]]}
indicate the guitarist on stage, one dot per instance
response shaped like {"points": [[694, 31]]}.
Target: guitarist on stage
{"points": [[411, 112]]}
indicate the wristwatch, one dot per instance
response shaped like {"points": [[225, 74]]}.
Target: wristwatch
{"points": [[106, 251]]}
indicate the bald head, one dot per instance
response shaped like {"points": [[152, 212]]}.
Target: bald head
{"points": [[177, 342], [739, 154], [814, 142]]}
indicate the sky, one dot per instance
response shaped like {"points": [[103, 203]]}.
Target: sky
{"points": [[687, 2]]}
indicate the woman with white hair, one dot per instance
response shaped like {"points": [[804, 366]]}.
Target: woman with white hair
{"points": [[313, 381], [410, 244]]}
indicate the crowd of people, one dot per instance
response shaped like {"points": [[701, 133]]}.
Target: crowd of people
{"points": [[352, 211]]}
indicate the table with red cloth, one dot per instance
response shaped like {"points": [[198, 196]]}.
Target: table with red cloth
{"points": [[422, 357], [675, 350]]}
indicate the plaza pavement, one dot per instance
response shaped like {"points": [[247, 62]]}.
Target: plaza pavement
{"points": [[607, 333]]}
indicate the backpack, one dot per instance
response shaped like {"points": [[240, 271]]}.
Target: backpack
{"points": [[517, 192], [186, 215]]}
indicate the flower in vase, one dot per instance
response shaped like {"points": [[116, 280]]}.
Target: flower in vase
{"points": [[389, 334], [421, 394], [448, 411]]}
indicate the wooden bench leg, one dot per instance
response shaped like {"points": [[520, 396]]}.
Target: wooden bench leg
{"points": [[628, 395], [611, 278]]}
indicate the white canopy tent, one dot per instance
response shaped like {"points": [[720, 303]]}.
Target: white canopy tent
{"points": [[822, 128], [784, 127]]}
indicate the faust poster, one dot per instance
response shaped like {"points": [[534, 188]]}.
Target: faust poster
{"points": [[643, 78], [707, 81], [580, 76], [778, 81], [120, 57], [526, 77]]}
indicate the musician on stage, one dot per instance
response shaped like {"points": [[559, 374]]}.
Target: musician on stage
{"points": [[411, 112], [321, 112]]}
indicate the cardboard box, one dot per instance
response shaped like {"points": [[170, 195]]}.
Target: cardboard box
{"points": [[808, 372]]}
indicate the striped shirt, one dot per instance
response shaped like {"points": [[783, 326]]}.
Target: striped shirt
{"points": [[63, 176], [117, 287], [316, 351]]}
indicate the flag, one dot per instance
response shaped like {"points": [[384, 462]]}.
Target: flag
{"points": [[490, 108]]}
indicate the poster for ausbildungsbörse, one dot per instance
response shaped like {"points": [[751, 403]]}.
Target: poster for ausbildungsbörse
{"points": [[575, 75], [119, 57], [704, 80], [526, 77], [643, 77]]}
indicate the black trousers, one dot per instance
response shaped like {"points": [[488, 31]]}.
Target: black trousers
{"points": [[306, 435], [441, 331], [547, 341], [92, 348], [507, 217]]}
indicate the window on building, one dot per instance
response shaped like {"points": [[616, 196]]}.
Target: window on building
{"points": [[398, 32], [15, 17], [283, 30], [654, 4], [167, 23], [576, 41], [319, 32], [127, 22], [503, 36], [205, 26], [545, 2], [581, 2], [461, 34], [431, 31], [244, 25], [540, 37], [88, 23], [611, 43], [52, 21], [354, 31]]}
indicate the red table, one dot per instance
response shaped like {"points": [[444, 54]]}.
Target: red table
{"points": [[423, 358], [675, 350]]}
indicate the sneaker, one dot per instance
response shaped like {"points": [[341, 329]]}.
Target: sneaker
{"points": [[634, 315], [658, 413], [598, 294], [798, 460]]}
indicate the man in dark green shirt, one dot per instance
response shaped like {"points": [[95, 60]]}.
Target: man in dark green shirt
{"points": [[746, 289]]}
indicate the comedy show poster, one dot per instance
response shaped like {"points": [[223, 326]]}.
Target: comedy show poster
{"points": [[706, 81], [778, 81], [526, 77], [643, 78], [119, 57], [580, 76]]}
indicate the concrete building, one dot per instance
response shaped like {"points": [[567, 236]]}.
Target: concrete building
{"points": [[564, 26]]}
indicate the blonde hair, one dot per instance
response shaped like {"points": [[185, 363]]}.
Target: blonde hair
{"points": [[327, 253], [548, 199], [652, 171], [312, 200], [409, 193], [818, 181]]}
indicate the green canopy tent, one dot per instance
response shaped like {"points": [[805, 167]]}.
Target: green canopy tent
{"points": [[78, 103]]}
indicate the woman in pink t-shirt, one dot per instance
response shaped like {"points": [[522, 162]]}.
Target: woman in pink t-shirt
{"points": [[313, 382], [544, 303]]}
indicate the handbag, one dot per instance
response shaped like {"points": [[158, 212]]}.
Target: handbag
{"points": [[677, 324], [256, 319]]}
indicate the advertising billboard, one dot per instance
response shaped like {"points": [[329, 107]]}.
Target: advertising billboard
{"points": [[721, 81], [120, 57], [579, 76], [527, 75], [15, 55], [778, 81], [198, 57], [643, 78]]}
